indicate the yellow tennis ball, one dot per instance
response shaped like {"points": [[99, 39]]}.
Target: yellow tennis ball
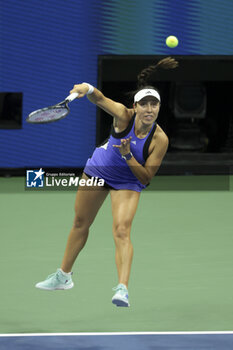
{"points": [[172, 41]]}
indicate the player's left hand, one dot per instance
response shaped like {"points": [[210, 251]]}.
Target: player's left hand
{"points": [[124, 147]]}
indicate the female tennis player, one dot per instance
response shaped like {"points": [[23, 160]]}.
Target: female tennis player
{"points": [[127, 162]]}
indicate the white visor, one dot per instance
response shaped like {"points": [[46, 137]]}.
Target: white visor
{"points": [[146, 92]]}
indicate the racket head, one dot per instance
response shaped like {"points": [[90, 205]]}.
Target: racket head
{"points": [[49, 114]]}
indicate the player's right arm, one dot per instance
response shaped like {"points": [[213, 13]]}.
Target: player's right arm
{"points": [[118, 111]]}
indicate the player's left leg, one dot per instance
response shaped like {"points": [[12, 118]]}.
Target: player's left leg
{"points": [[124, 206]]}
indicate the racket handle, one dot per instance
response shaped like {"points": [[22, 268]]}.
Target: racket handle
{"points": [[71, 97]]}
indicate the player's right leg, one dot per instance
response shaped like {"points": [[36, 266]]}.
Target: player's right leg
{"points": [[87, 204]]}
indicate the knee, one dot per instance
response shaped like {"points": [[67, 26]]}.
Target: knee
{"points": [[121, 231], [80, 222]]}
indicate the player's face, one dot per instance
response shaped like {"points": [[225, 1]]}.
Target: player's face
{"points": [[147, 109]]}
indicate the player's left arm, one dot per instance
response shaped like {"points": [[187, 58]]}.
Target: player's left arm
{"points": [[145, 173]]}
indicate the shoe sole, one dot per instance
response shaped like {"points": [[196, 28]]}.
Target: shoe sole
{"points": [[69, 286], [120, 303]]}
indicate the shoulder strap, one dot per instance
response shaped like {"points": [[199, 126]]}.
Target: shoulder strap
{"points": [[148, 141], [122, 134]]}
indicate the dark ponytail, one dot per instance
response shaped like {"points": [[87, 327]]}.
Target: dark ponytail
{"points": [[144, 77]]}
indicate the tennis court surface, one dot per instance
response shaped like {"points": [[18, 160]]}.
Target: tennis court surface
{"points": [[111, 341], [181, 276]]}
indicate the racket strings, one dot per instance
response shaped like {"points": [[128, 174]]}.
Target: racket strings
{"points": [[49, 114]]}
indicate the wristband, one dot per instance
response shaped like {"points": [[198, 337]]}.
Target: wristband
{"points": [[127, 156], [90, 88]]}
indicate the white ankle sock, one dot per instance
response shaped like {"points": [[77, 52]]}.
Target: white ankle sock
{"points": [[66, 273]]}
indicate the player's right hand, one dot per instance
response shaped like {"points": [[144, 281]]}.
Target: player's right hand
{"points": [[81, 89]]}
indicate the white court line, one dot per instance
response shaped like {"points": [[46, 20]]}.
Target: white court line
{"points": [[112, 333]]}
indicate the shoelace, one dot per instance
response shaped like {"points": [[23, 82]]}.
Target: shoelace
{"points": [[49, 276], [117, 288], [53, 274], [56, 274]]}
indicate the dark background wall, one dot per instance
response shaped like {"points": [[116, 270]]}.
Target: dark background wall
{"points": [[48, 46]]}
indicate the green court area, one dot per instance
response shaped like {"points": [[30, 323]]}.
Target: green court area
{"points": [[182, 270]]}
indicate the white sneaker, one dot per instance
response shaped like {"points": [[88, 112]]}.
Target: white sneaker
{"points": [[121, 297], [56, 281]]}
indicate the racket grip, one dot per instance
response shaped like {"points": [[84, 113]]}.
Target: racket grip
{"points": [[72, 96]]}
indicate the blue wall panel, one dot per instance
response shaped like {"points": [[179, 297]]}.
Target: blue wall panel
{"points": [[47, 46]]}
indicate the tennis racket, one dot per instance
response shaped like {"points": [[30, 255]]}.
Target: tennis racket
{"points": [[52, 113]]}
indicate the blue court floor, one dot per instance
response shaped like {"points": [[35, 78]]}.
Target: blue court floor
{"points": [[114, 341]]}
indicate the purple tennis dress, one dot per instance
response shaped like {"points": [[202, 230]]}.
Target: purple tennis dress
{"points": [[106, 161]]}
